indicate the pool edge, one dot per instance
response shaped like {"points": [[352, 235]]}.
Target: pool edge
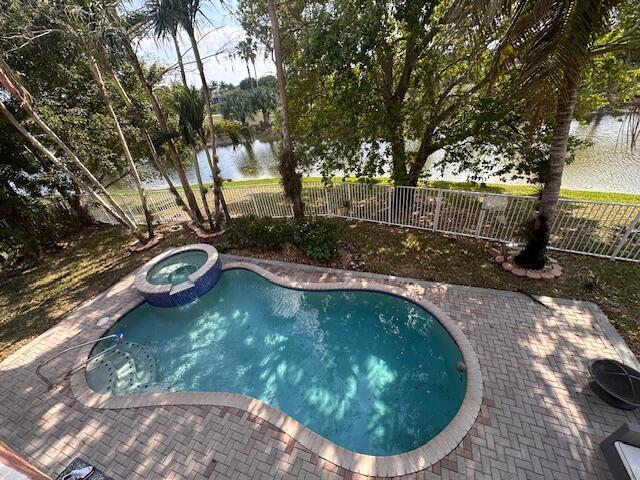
{"points": [[405, 463]]}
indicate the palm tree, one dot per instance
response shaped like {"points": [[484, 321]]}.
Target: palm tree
{"points": [[164, 25], [185, 13], [189, 105], [246, 51], [125, 41], [549, 42], [155, 158], [291, 180], [102, 89], [84, 22]]}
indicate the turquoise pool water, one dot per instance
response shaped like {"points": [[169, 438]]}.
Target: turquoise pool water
{"points": [[176, 268], [371, 372]]}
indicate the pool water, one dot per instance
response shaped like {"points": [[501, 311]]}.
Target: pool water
{"points": [[176, 269], [371, 372]]}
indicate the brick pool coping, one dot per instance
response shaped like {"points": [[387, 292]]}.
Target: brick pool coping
{"points": [[416, 460]]}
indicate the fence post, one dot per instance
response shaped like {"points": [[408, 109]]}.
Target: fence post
{"points": [[623, 240], [389, 204], [326, 199], [255, 205], [436, 215], [483, 213]]}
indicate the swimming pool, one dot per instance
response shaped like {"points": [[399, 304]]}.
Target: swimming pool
{"points": [[372, 372]]}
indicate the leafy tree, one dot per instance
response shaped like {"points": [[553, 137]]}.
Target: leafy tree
{"points": [[54, 81], [163, 21], [237, 105], [125, 32], [264, 99], [365, 79]]}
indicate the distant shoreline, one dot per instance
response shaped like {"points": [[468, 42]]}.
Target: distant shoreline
{"points": [[225, 141]]}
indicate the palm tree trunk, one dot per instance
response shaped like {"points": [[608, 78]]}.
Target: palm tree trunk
{"points": [[176, 45], [215, 171], [291, 180], [155, 159], [162, 123], [217, 191], [533, 255], [203, 191], [97, 76], [249, 76], [255, 74], [126, 222]]}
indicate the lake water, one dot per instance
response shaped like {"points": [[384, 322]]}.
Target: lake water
{"points": [[605, 165]]}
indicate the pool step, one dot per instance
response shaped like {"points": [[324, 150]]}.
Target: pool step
{"points": [[122, 370]]}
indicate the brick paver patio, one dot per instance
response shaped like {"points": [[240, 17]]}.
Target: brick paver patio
{"points": [[538, 419]]}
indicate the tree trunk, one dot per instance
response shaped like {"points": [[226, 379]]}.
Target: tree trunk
{"points": [[127, 223], [249, 76], [97, 76], [162, 123], [203, 191], [399, 174], [422, 155], [255, 74], [215, 171], [291, 180], [533, 255], [265, 118], [176, 45]]}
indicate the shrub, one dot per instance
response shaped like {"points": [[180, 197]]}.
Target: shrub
{"points": [[260, 232], [318, 238]]}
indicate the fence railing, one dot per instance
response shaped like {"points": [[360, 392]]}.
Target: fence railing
{"points": [[603, 229]]}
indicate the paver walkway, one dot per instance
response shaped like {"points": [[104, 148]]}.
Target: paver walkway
{"points": [[538, 419]]}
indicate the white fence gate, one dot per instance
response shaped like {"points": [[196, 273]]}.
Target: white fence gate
{"points": [[602, 229]]}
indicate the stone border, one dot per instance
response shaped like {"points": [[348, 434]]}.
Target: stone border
{"points": [[549, 272], [405, 463], [160, 295]]}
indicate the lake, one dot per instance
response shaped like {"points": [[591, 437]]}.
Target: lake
{"points": [[605, 165]]}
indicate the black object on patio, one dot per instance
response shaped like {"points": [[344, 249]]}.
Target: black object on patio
{"points": [[80, 463], [615, 383]]}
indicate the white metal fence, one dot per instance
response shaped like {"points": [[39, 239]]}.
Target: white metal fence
{"points": [[603, 229]]}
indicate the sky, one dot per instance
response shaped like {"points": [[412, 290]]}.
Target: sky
{"points": [[217, 34]]}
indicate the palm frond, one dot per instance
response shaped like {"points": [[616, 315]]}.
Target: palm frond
{"points": [[548, 41], [189, 106]]}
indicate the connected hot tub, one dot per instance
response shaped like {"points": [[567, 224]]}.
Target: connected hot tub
{"points": [[179, 275]]}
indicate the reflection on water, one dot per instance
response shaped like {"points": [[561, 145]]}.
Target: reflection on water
{"points": [[605, 165], [250, 160]]}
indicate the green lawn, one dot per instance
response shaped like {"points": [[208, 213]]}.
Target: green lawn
{"points": [[40, 297], [467, 186]]}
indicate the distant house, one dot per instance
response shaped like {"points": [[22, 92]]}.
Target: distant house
{"points": [[215, 95]]}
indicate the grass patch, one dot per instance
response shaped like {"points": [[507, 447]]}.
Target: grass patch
{"points": [[40, 297]]}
